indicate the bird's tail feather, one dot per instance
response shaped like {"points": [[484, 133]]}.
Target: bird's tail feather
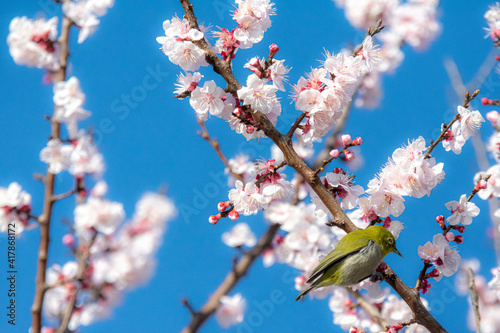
{"points": [[305, 292]]}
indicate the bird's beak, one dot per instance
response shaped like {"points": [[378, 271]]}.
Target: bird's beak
{"points": [[397, 252]]}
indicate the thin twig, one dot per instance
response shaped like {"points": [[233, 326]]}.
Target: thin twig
{"points": [[371, 310], [188, 306], [82, 256], [215, 145], [232, 278], [468, 98], [45, 218], [295, 125], [482, 159], [421, 276], [475, 300], [332, 138]]}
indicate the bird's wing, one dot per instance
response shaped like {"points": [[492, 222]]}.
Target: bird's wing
{"points": [[339, 253]]}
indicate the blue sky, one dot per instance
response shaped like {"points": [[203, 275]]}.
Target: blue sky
{"points": [[154, 143]]}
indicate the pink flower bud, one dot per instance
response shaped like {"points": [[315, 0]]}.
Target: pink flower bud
{"points": [[213, 219], [237, 112], [497, 58], [278, 239], [222, 206], [485, 101], [346, 139], [349, 155], [250, 129], [254, 62], [459, 228], [192, 86], [68, 240], [234, 215], [273, 49], [459, 239], [300, 280], [450, 237], [335, 153], [440, 220], [482, 184], [358, 141]]}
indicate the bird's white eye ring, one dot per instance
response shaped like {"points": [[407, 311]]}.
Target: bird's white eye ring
{"points": [[390, 240]]}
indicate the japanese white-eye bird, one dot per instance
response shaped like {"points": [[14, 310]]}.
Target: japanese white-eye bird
{"points": [[355, 258]]}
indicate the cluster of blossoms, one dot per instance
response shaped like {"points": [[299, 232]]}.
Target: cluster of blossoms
{"points": [[393, 310], [178, 46], [326, 91], [80, 156], [253, 196], [488, 295], [85, 13], [468, 124], [253, 18], [407, 173], [413, 22], [110, 259], [118, 259], [15, 208], [492, 17], [33, 43]]}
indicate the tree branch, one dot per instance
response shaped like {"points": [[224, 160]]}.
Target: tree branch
{"points": [[48, 202], [215, 145], [82, 256], [475, 300], [408, 294], [232, 278], [371, 310]]}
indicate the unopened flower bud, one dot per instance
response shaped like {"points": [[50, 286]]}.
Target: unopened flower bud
{"points": [[250, 129], [68, 240], [254, 62], [300, 280], [334, 153], [273, 49], [222, 206], [497, 58], [485, 101], [213, 219], [450, 237], [459, 239], [482, 184], [234, 215], [278, 239], [346, 139], [358, 141], [440, 220], [459, 228], [349, 155]]}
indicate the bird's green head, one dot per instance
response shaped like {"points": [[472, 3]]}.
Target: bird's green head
{"points": [[385, 238]]}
